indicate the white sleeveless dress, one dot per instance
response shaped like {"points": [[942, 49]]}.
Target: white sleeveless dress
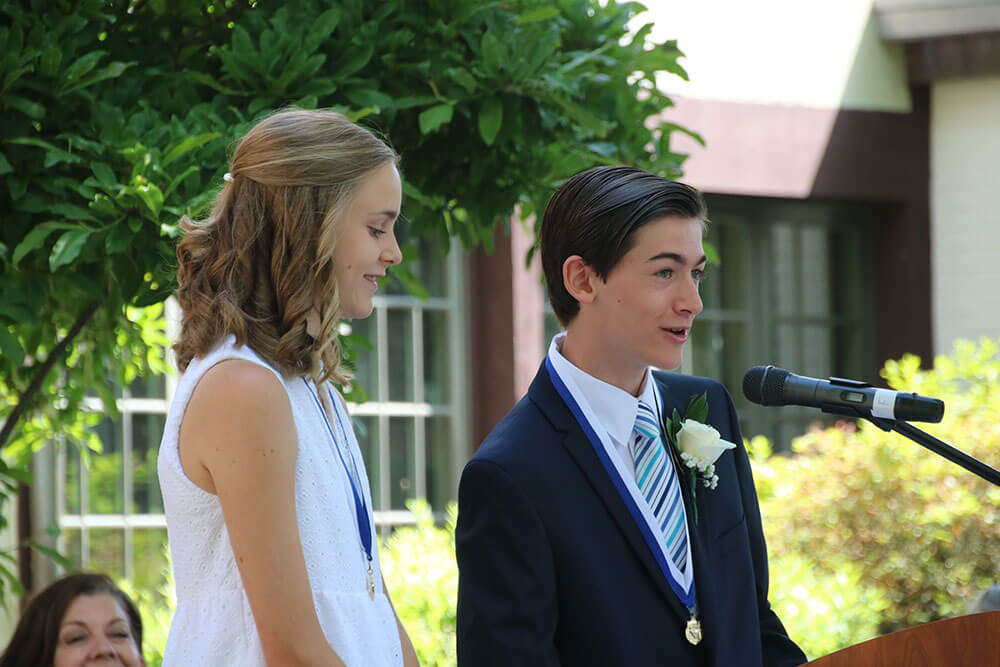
{"points": [[213, 624]]}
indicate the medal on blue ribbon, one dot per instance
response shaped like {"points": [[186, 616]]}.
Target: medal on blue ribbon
{"points": [[360, 507], [692, 631]]}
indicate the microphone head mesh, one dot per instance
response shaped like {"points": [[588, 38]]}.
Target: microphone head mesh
{"points": [[774, 386], [765, 385]]}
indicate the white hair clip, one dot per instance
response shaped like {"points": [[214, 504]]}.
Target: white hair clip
{"points": [[227, 177]]}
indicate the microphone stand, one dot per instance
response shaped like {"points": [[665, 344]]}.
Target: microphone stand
{"points": [[939, 447]]}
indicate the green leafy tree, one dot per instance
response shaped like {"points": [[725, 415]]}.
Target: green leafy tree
{"points": [[116, 117]]}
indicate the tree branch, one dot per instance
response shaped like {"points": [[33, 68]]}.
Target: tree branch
{"points": [[24, 400]]}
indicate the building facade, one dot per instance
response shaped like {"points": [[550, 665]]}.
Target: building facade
{"points": [[853, 193]]}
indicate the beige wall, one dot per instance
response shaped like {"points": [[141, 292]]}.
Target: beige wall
{"points": [[965, 209], [813, 53]]}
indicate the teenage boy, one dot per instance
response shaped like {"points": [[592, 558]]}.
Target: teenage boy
{"points": [[583, 538]]}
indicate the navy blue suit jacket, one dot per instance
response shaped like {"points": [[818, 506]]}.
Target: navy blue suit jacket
{"points": [[554, 571]]}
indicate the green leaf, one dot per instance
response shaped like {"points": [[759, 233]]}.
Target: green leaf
{"points": [[697, 408], [112, 71], [354, 115], [103, 205], [20, 474], [67, 248], [244, 49], [358, 340], [413, 192], [321, 29], [83, 65], [53, 154], [410, 281], [207, 80], [544, 13], [17, 187], [605, 149], [5, 167], [48, 64], [465, 79], [370, 98], [10, 346], [188, 144], [53, 555], [490, 119], [36, 237], [587, 119], [585, 57], [27, 107], [18, 313], [179, 179], [433, 118], [409, 102], [494, 53], [15, 584], [118, 238], [149, 297], [151, 196], [73, 212], [711, 254], [667, 128], [105, 175], [357, 59]]}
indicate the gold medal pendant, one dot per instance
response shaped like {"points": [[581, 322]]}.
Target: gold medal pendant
{"points": [[371, 586], [693, 631]]}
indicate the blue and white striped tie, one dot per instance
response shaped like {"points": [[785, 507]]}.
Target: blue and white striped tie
{"points": [[657, 480]]}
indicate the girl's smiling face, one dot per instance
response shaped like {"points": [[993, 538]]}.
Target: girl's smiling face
{"points": [[366, 243]]}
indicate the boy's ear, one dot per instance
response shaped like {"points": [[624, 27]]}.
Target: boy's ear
{"points": [[579, 279]]}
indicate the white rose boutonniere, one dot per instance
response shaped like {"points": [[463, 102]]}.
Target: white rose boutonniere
{"points": [[700, 447], [697, 444]]}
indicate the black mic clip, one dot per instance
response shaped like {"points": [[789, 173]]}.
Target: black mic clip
{"points": [[847, 410]]}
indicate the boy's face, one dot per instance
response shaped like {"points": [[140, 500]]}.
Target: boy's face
{"points": [[647, 304]]}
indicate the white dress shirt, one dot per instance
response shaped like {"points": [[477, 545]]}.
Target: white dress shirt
{"points": [[611, 412]]}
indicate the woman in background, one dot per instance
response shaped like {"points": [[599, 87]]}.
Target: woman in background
{"points": [[265, 492], [79, 619]]}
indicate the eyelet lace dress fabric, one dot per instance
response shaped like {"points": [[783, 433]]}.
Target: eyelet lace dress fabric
{"points": [[213, 624]]}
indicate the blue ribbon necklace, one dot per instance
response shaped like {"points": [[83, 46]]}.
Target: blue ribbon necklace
{"points": [[688, 598], [360, 507]]}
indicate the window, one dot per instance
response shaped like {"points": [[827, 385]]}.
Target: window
{"points": [[794, 291], [111, 511], [412, 428]]}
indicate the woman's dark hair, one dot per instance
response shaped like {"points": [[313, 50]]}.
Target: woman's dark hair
{"points": [[595, 215], [37, 633]]}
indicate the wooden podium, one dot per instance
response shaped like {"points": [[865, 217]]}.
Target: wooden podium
{"points": [[965, 641]]}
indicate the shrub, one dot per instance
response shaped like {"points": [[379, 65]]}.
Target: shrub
{"points": [[850, 609], [156, 606], [917, 535], [418, 563]]}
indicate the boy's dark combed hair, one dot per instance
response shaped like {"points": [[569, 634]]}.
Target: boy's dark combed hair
{"points": [[595, 215]]}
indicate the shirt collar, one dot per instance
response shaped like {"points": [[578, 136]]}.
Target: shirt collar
{"points": [[614, 407]]}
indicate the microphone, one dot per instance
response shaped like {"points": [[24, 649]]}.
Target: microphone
{"points": [[767, 385]]}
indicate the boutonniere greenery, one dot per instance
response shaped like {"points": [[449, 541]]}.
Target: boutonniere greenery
{"points": [[697, 444]]}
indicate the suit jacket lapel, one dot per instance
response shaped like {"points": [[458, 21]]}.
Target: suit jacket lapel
{"points": [[691, 499], [545, 396], [697, 530]]}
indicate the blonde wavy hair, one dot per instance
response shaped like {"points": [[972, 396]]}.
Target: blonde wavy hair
{"points": [[261, 265]]}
